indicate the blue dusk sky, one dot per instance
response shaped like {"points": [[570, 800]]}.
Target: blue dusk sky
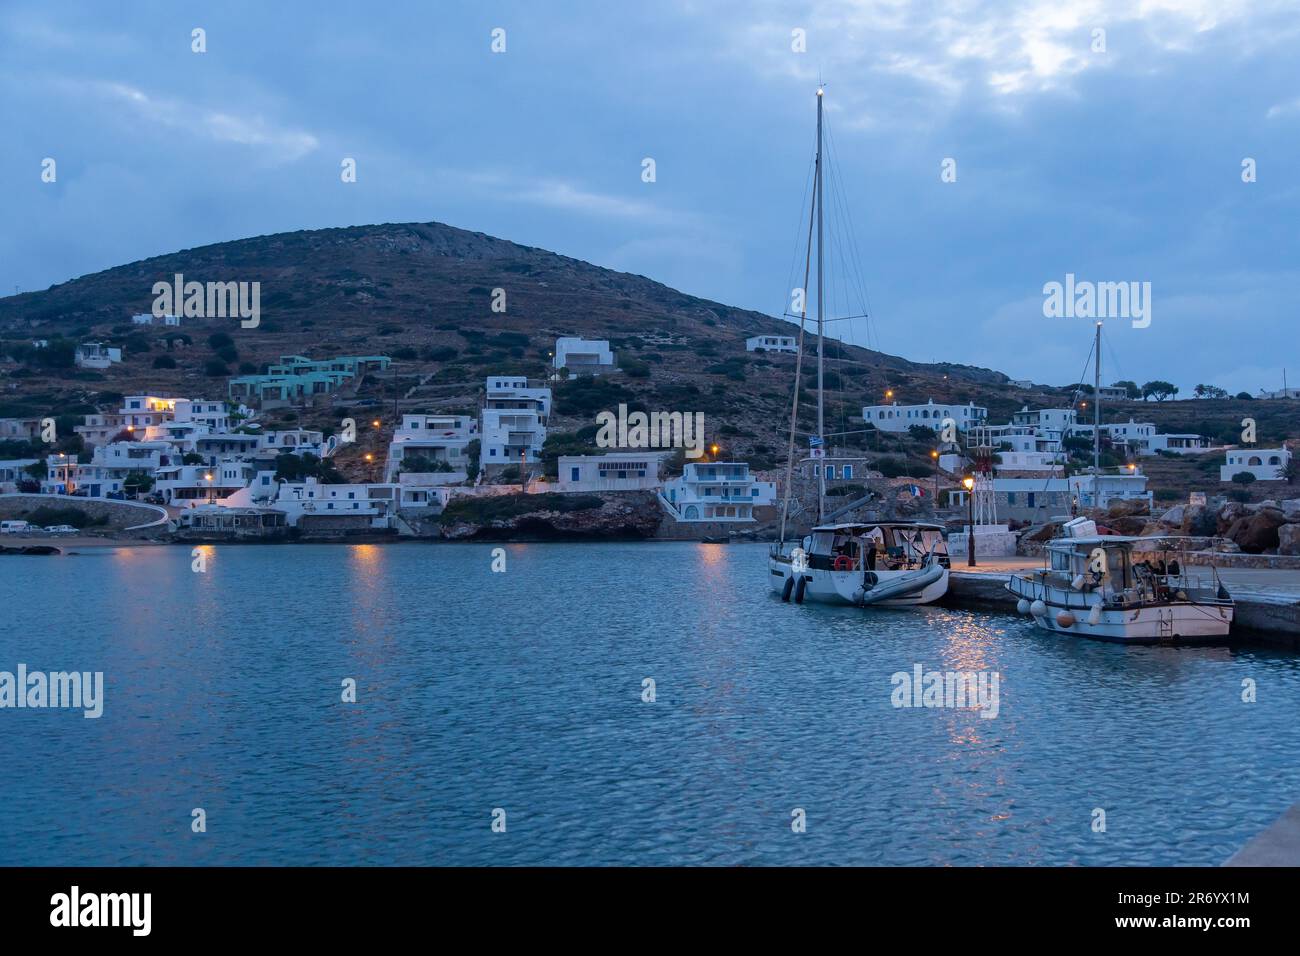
{"points": [[1122, 164]]}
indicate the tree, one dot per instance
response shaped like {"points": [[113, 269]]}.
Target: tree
{"points": [[1159, 390], [1245, 396], [1209, 391], [1243, 478], [1130, 388], [137, 483], [1292, 471]]}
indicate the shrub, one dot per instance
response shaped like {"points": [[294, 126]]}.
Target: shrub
{"points": [[164, 361]]}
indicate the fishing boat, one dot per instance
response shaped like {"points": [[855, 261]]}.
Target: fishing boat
{"points": [[888, 563], [1131, 590]]}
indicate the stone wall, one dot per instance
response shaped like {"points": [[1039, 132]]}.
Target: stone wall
{"points": [[120, 514]]}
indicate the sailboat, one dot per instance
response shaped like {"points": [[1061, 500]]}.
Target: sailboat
{"points": [[887, 564]]}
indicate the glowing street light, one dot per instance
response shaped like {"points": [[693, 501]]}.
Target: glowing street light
{"points": [[969, 484]]}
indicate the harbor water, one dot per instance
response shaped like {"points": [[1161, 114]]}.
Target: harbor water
{"points": [[638, 703]]}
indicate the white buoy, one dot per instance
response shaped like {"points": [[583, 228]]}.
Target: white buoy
{"points": [[1094, 616], [1022, 606], [1038, 609], [1077, 583], [1065, 619]]}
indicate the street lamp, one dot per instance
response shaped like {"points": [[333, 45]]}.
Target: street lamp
{"points": [[969, 484], [208, 478], [934, 458]]}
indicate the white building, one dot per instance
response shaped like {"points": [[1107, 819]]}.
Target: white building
{"points": [[615, 471], [297, 441], [14, 470], [1266, 464], [899, 418], [424, 442], [108, 469], [370, 504], [514, 422], [96, 355], [583, 355], [771, 343], [716, 491], [191, 485], [1050, 423], [1113, 393], [1042, 498]]}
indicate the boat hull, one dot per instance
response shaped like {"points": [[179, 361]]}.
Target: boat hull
{"points": [[846, 587], [1174, 622]]}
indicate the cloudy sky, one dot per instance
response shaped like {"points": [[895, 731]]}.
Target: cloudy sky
{"points": [[1115, 165]]}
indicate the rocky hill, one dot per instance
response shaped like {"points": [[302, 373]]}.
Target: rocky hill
{"points": [[423, 294]]}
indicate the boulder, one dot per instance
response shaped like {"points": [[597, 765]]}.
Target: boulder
{"points": [[1228, 514], [1173, 518], [1291, 509], [1257, 533], [1127, 524], [1288, 539], [1121, 508]]}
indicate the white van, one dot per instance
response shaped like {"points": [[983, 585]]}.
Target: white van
{"points": [[14, 527]]}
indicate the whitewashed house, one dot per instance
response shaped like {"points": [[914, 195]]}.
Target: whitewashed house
{"points": [[614, 471], [514, 422], [424, 441], [190, 485], [583, 355], [716, 491], [1266, 464], [96, 355], [772, 343], [368, 504], [899, 418]]}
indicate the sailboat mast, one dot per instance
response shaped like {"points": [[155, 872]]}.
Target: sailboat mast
{"points": [[1096, 408], [821, 402]]}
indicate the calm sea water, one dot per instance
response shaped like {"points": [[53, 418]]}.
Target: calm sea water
{"points": [[522, 691]]}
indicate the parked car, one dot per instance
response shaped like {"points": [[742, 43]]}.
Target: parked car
{"points": [[116, 495], [15, 527], [62, 529]]}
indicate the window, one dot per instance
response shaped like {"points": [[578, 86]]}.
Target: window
{"points": [[574, 472], [1030, 499], [1011, 497]]}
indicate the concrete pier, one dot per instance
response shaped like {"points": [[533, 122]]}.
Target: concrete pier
{"points": [[1279, 845], [1268, 601]]}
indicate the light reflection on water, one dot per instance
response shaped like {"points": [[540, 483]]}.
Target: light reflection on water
{"points": [[522, 690]]}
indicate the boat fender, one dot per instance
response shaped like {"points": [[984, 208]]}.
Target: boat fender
{"points": [[1077, 583], [799, 589], [858, 595], [1038, 609], [1065, 619], [789, 586], [1022, 606], [1094, 616]]}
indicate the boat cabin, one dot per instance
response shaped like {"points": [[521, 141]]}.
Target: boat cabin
{"points": [[884, 546], [1129, 570]]}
